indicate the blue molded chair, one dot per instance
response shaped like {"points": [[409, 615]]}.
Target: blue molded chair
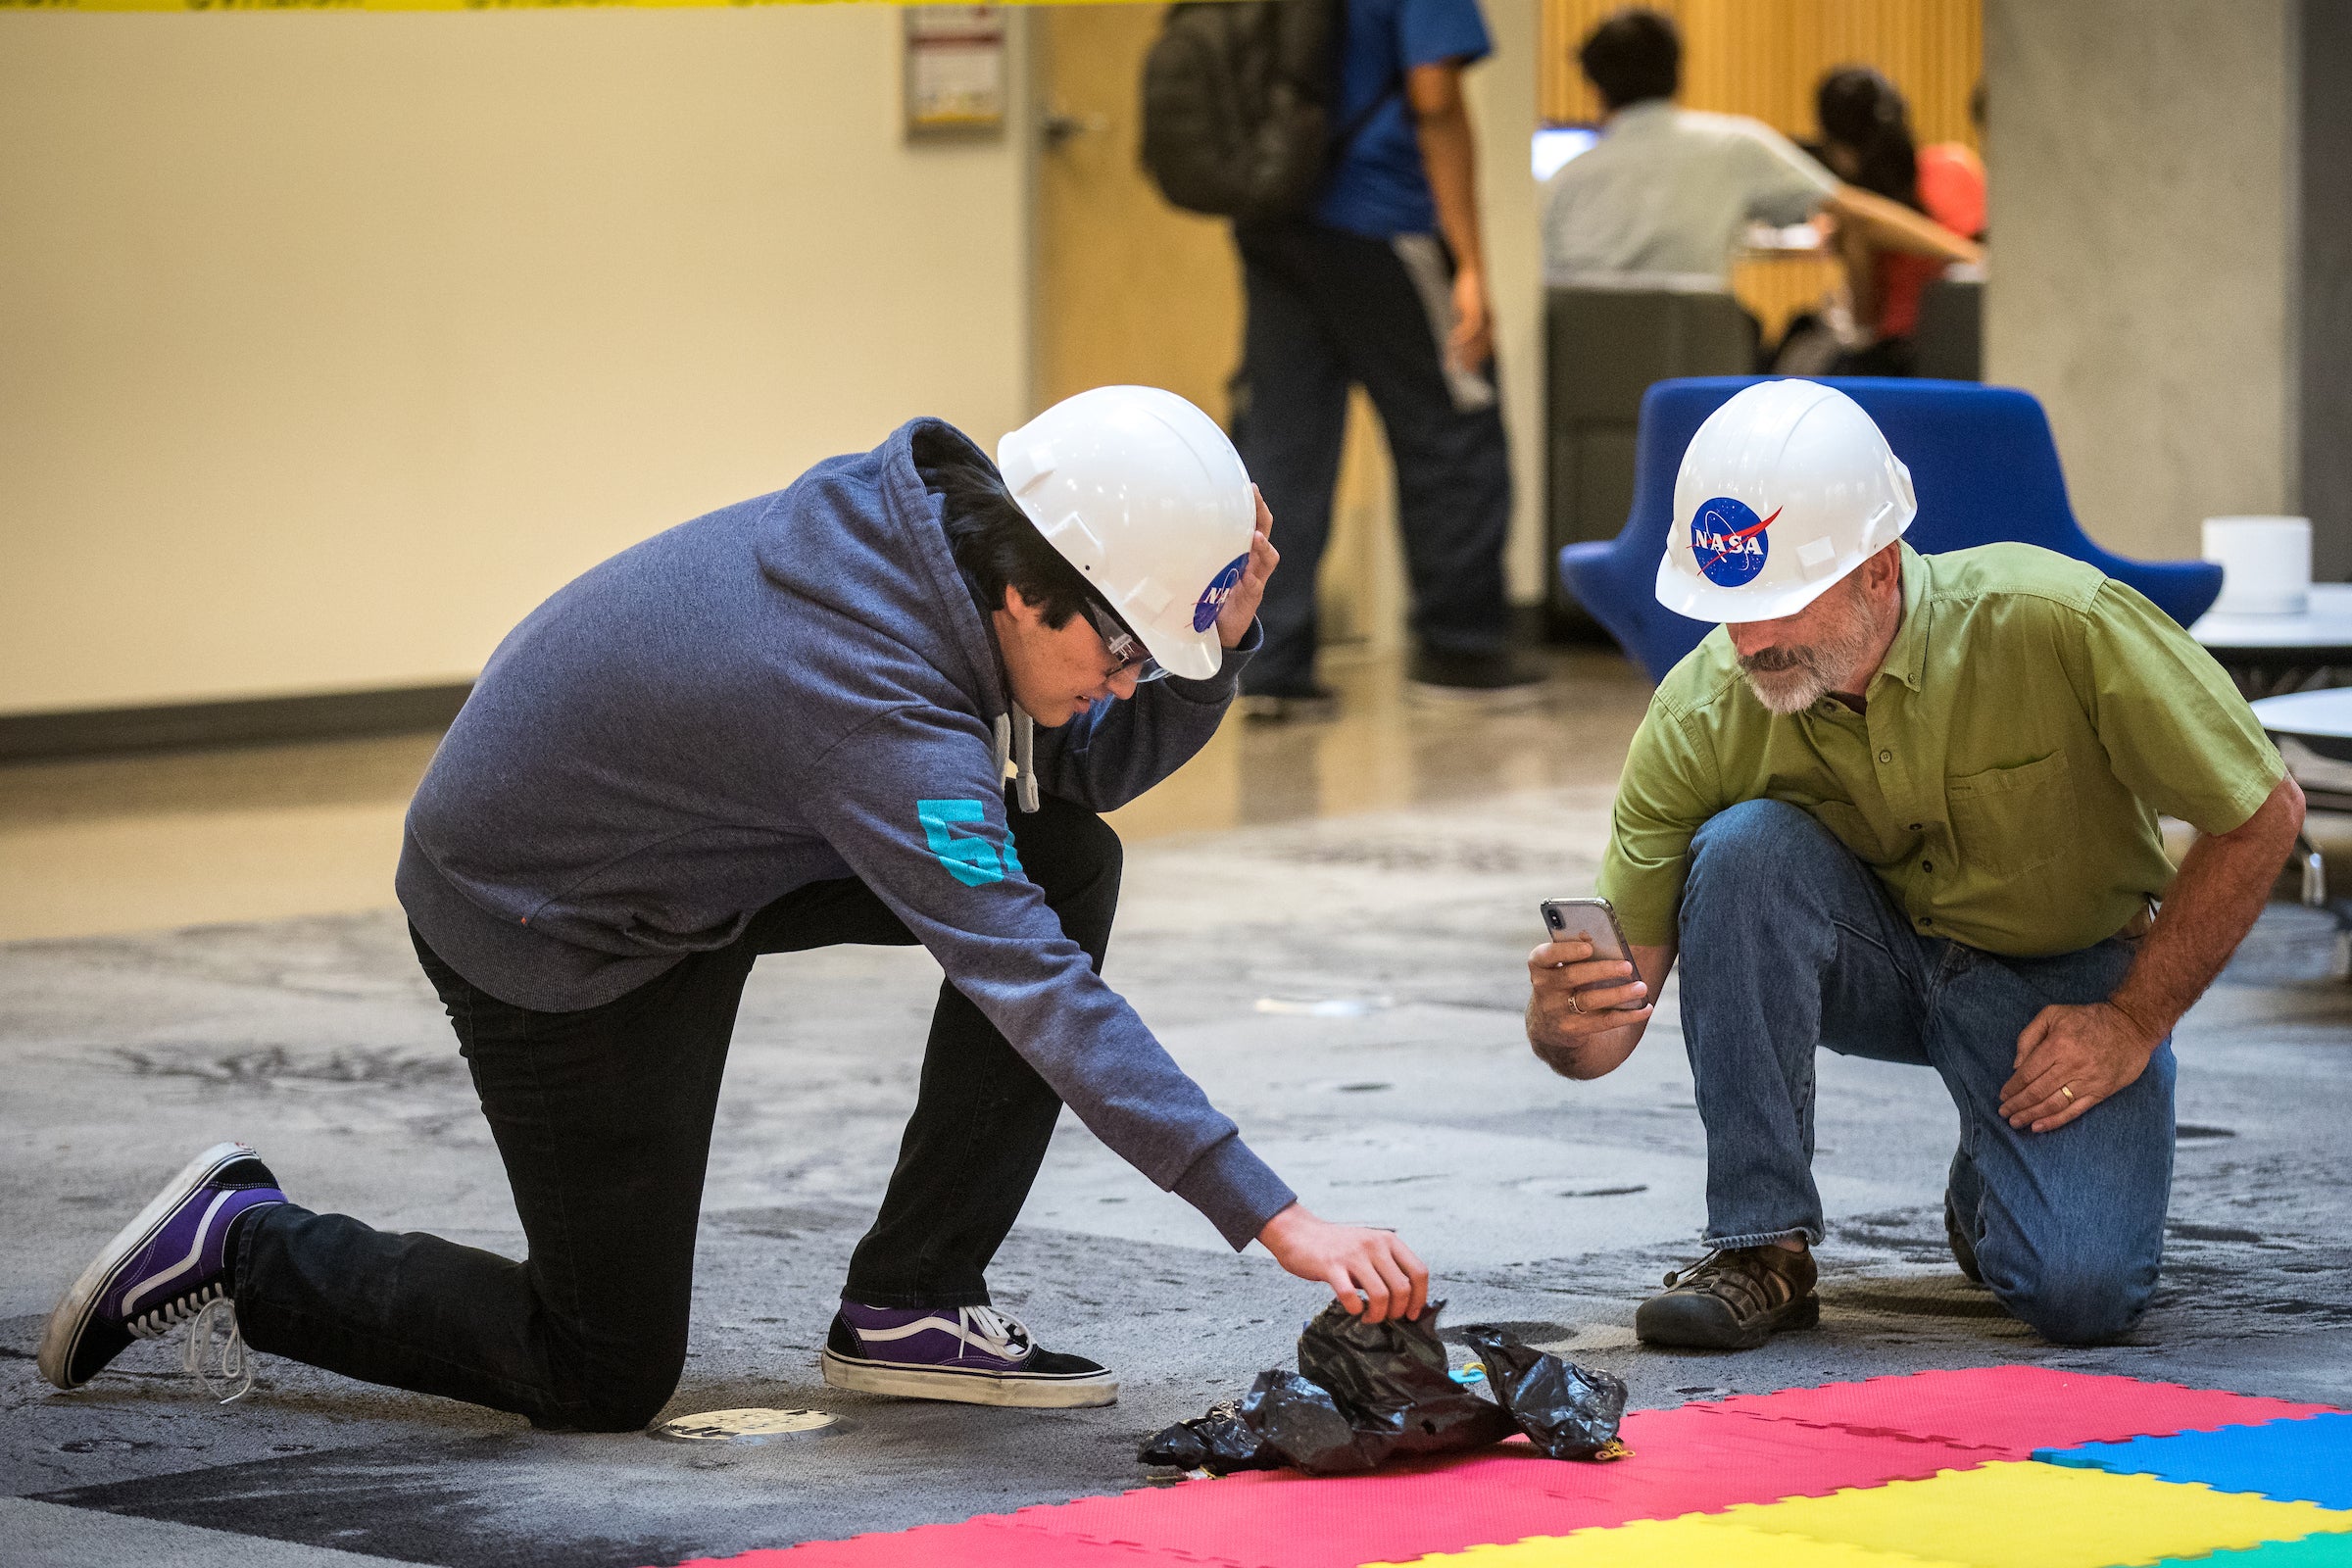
{"points": [[1980, 458]]}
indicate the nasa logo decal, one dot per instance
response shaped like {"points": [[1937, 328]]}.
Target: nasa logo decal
{"points": [[1729, 542], [1213, 598]]}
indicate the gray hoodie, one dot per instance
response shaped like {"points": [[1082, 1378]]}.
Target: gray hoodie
{"points": [[793, 689]]}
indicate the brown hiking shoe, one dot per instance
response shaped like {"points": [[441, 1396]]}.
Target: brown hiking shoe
{"points": [[1733, 1301]]}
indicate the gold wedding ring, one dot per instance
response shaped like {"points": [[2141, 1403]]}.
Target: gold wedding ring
{"points": [[1574, 1005], [2068, 1089]]}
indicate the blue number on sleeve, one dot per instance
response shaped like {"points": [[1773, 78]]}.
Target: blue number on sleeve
{"points": [[970, 861]]}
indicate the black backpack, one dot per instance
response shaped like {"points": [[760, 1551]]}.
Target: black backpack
{"points": [[1237, 97]]}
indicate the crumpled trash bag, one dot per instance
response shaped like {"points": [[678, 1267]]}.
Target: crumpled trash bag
{"points": [[1391, 1380], [1217, 1443], [1304, 1425], [1567, 1411], [1368, 1392]]}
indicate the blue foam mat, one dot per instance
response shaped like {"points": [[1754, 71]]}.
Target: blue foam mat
{"points": [[2303, 1461]]}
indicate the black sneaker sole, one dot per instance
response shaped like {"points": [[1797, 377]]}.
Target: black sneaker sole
{"points": [[1704, 1323], [75, 1346], [1014, 1391]]}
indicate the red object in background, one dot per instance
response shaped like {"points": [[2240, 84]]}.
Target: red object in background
{"points": [[1951, 186]]}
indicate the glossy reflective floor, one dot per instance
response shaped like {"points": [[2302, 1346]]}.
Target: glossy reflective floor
{"points": [[142, 842]]}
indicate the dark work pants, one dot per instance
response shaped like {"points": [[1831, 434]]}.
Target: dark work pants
{"points": [[603, 1118], [1325, 311]]}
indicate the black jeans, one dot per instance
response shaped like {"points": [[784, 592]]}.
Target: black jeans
{"points": [[603, 1118], [1327, 310]]}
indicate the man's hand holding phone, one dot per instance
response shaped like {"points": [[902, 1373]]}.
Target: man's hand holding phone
{"points": [[1581, 992]]}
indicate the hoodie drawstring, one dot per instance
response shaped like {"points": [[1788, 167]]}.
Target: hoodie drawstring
{"points": [[1016, 755]]}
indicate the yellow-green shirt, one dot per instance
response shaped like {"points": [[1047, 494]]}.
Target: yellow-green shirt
{"points": [[2029, 721]]}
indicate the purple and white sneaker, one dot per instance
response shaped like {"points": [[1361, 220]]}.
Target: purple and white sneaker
{"points": [[972, 1354], [167, 1268]]}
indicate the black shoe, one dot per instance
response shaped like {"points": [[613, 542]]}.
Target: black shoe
{"points": [[1497, 682], [1298, 704], [1964, 1248], [968, 1355], [1734, 1300]]}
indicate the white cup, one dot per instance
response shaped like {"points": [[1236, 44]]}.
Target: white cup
{"points": [[2265, 562]]}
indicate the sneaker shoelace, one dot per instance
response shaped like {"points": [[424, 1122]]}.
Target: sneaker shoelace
{"points": [[214, 1351], [1006, 1340]]}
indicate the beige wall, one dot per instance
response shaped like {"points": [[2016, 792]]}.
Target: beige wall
{"points": [[330, 343], [2142, 171], [1502, 93]]}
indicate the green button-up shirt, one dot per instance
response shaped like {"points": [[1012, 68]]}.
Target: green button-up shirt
{"points": [[2029, 721]]}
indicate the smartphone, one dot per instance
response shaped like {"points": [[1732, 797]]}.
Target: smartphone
{"points": [[1597, 922]]}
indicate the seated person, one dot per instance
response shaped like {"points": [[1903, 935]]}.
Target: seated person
{"points": [[1666, 193], [1866, 138], [1905, 807]]}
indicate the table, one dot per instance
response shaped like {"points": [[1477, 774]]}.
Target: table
{"points": [[2314, 732], [2267, 655]]}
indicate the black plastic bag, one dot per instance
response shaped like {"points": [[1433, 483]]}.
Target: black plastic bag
{"points": [[1392, 1381], [1301, 1421], [1567, 1411], [1217, 1443]]}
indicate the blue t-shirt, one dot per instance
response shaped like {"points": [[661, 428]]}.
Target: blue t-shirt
{"points": [[1377, 188]]}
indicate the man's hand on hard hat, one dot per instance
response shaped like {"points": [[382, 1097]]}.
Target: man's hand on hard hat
{"points": [[1585, 1015], [1373, 1273], [1240, 605]]}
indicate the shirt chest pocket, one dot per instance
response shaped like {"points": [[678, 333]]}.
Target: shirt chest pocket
{"points": [[2009, 821]]}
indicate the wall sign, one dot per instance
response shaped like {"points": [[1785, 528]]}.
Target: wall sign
{"points": [[956, 80]]}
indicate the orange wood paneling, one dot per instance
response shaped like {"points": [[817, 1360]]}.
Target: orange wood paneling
{"points": [[1762, 58]]}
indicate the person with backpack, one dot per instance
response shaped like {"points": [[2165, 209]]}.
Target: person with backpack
{"points": [[886, 705], [1335, 135]]}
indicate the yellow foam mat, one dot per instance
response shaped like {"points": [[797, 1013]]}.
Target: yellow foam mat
{"points": [[2024, 1515], [1694, 1541]]}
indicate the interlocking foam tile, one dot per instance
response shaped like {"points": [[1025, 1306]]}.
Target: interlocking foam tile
{"points": [[2015, 1408], [987, 1541], [2309, 1460], [1684, 1461], [2010, 1515], [2311, 1552], [1671, 1544]]}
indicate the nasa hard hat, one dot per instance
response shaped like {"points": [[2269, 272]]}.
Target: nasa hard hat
{"points": [[1786, 489]]}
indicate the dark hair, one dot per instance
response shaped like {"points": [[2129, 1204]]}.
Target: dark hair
{"points": [[1633, 56], [995, 546], [1860, 109]]}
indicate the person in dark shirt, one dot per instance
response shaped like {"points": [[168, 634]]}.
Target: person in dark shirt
{"points": [[1383, 286]]}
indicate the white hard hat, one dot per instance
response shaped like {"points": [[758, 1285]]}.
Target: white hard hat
{"points": [[1786, 489], [1144, 494]]}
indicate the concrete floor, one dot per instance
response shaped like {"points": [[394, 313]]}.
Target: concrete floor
{"points": [[1327, 927]]}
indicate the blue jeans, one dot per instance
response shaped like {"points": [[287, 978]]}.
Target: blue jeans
{"points": [[1326, 311], [1790, 942]]}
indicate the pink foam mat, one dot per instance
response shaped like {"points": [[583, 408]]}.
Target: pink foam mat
{"points": [[1698, 1458], [1684, 1461], [2012, 1409], [991, 1540]]}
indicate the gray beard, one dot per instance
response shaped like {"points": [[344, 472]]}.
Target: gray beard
{"points": [[1790, 680]]}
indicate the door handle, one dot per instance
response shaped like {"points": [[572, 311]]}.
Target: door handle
{"points": [[1056, 126]]}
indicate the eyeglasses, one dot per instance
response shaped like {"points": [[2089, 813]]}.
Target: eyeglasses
{"points": [[1123, 646]]}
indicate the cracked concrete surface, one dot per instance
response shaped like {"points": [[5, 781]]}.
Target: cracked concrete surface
{"points": [[1348, 988]]}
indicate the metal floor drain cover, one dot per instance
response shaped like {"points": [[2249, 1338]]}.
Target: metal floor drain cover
{"points": [[747, 1426]]}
